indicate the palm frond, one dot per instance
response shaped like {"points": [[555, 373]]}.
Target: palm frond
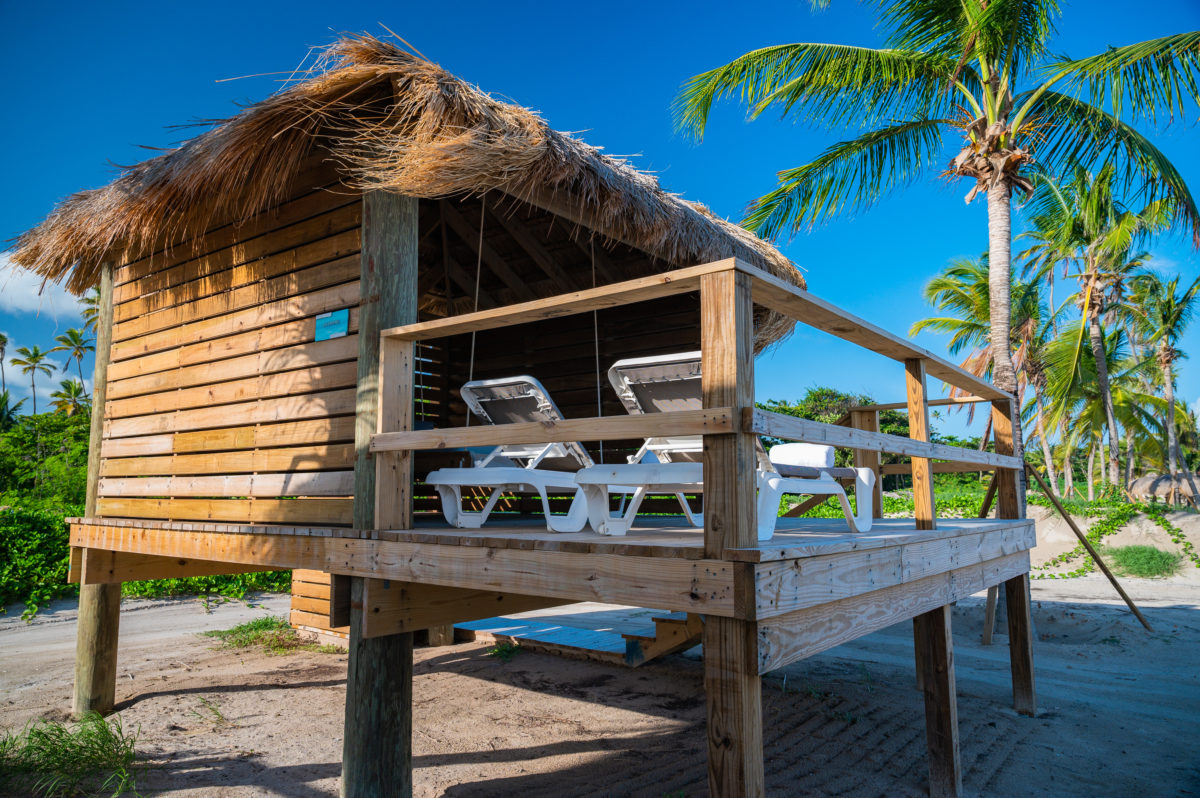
{"points": [[836, 84], [848, 175], [1141, 79], [1075, 134]]}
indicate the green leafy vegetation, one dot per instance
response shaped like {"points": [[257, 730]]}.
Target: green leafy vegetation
{"points": [[504, 651], [55, 760], [1158, 514], [271, 633], [34, 557], [1143, 561]]}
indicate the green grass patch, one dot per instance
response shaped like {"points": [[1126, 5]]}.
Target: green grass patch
{"points": [[271, 633], [51, 759], [1144, 561]]}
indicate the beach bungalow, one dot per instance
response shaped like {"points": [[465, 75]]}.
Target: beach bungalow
{"points": [[291, 304]]}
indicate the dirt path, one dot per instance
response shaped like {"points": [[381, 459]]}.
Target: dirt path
{"points": [[1118, 709]]}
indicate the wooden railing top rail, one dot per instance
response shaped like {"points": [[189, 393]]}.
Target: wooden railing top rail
{"points": [[768, 291], [679, 422], [777, 425], [949, 400]]}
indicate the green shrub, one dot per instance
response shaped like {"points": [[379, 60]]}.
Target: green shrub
{"points": [[53, 759], [1143, 561], [274, 634], [34, 556]]}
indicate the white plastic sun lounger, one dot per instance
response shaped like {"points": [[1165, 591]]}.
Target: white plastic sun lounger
{"points": [[530, 468], [666, 383]]}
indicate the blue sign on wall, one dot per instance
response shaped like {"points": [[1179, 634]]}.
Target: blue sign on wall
{"points": [[334, 324]]}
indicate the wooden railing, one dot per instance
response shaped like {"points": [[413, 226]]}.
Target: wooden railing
{"points": [[728, 290]]}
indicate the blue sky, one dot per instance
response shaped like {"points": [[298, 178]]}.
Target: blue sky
{"points": [[89, 85]]}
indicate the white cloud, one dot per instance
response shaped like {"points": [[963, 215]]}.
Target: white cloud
{"points": [[22, 291]]}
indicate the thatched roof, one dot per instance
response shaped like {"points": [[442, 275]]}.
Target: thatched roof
{"points": [[1161, 486], [391, 121]]}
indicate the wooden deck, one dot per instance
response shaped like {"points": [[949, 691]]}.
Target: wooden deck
{"points": [[814, 585]]}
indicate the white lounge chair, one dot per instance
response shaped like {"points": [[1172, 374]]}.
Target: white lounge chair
{"points": [[529, 468], [665, 383]]}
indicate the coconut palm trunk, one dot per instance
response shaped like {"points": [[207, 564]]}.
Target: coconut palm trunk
{"points": [[1098, 353], [1047, 455], [1004, 373], [1068, 466], [33, 389], [1091, 472], [1168, 372]]}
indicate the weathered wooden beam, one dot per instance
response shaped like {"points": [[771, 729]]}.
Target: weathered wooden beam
{"points": [[943, 402], [789, 638], [98, 624], [391, 607], [103, 567], [535, 250], [377, 741], [641, 289], [939, 467], [796, 303], [936, 659], [470, 235], [924, 509], [777, 425], [868, 421], [680, 422], [732, 686]]}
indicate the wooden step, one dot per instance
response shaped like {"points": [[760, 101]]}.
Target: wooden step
{"points": [[672, 634]]}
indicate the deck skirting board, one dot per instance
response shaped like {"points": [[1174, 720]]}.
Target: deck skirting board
{"points": [[788, 638]]}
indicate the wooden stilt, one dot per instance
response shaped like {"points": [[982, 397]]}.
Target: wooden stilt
{"points": [[99, 620], [936, 659], [1020, 644], [733, 690], [732, 686], [989, 614], [377, 744], [1010, 504]]}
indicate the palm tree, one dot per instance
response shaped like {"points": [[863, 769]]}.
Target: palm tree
{"points": [[8, 410], [1082, 222], [1165, 311], [983, 71], [30, 362], [962, 293], [3, 347], [91, 309], [70, 397], [76, 344]]}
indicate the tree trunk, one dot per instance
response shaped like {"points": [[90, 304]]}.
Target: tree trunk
{"points": [[1097, 337], [1130, 456], [33, 394], [1068, 468], [1004, 373], [1174, 455], [1047, 455], [1091, 472], [1169, 395]]}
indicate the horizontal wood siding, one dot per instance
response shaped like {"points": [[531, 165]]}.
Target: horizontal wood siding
{"points": [[221, 404]]}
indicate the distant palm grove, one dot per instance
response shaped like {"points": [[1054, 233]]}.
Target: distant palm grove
{"points": [[43, 456], [978, 90]]}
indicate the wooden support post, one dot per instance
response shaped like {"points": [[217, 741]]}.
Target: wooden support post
{"points": [[918, 430], [1010, 504], [868, 420], [99, 621], [936, 658], [732, 686], [377, 743]]}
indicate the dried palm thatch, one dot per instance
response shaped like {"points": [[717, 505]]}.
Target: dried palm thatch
{"points": [[392, 121]]}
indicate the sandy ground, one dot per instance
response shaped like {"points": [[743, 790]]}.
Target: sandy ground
{"points": [[1118, 708]]}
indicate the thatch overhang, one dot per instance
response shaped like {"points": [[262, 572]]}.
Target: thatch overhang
{"points": [[389, 121]]}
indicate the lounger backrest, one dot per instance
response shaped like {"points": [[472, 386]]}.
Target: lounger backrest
{"points": [[511, 400], [662, 384]]}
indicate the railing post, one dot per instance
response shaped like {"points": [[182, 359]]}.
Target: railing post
{"points": [[1011, 504], [918, 430], [732, 685], [868, 420]]}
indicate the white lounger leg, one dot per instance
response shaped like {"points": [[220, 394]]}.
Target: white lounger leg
{"points": [[771, 488], [451, 496], [575, 519], [602, 519]]}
